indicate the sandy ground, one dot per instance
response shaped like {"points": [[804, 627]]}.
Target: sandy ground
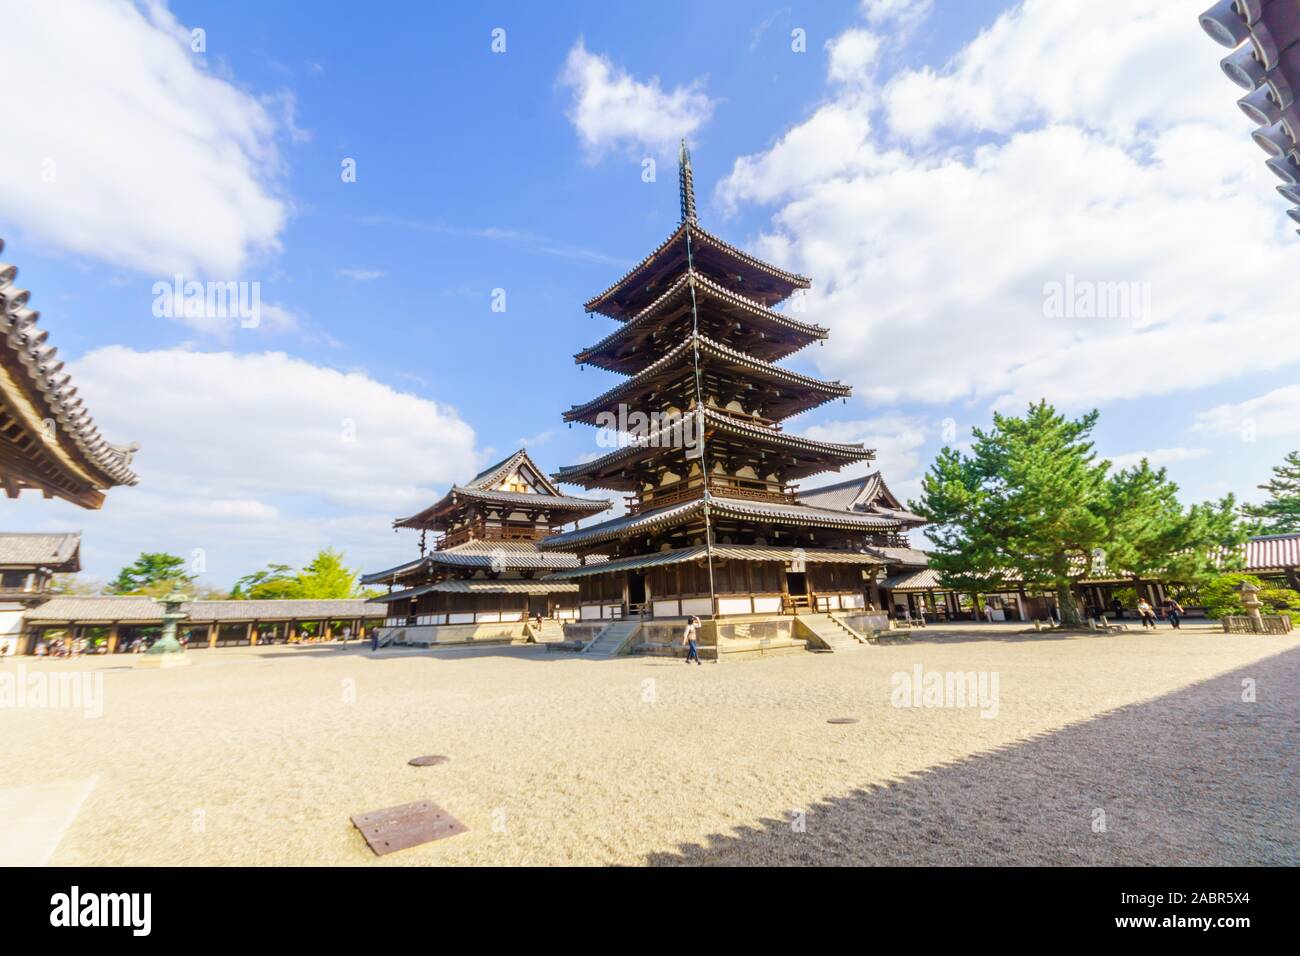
{"points": [[1124, 749]]}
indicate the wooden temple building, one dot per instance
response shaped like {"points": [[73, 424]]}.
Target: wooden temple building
{"points": [[715, 523], [482, 575], [48, 441]]}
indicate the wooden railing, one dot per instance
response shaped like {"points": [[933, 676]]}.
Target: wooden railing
{"points": [[724, 486], [482, 533]]}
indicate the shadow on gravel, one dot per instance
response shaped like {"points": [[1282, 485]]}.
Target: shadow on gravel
{"points": [[1194, 777]]}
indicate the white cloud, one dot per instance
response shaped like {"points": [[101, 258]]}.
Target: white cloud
{"points": [[258, 458], [897, 441], [903, 15], [362, 275], [611, 109], [1157, 457], [1098, 141], [1274, 414], [122, 147], [852, 57]]}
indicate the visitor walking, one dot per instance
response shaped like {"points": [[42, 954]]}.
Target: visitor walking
{"points": [[1173, 611], [374, 638], [1147, 613], [690, 639]]}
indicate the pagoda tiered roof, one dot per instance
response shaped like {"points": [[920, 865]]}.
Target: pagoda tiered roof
{"points": [[659, 519], [48, 440], [760, 281], [801, 457], [865, 556], [723, 316], [791, 392]]}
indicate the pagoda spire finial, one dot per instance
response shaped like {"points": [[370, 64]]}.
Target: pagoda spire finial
{"points": [[686, 182]]}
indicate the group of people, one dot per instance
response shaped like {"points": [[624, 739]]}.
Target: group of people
{"points": [[1173, 612]]}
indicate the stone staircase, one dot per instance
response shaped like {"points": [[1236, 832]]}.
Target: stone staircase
{"points": [[826, 633], [551, 632], [613, 638]]}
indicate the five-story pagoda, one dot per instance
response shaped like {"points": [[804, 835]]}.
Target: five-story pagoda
{"points": [[714, 525]]}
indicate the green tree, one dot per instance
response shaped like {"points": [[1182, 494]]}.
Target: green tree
{"points": [[1151, 536], [153, 574], [72, 583], [275, 581], [328, 577], [1280, 514], [1222, 596], [1032, 506]]}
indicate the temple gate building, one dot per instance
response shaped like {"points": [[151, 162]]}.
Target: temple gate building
{"points": [[482, 577]]}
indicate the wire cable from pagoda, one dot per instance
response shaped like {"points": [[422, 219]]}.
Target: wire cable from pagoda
{"points": [[699, 413]]}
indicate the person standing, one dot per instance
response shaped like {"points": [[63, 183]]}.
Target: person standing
{"points": [[690, 640], [1174, 612], [1147, 614]]}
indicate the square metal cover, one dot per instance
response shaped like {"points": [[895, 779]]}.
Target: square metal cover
{"points": [[405, 826]]}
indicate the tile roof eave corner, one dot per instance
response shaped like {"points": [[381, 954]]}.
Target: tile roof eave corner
{"points": [[18, 333]]}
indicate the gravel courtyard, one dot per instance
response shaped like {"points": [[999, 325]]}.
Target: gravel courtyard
{"points": [[1125, 749]]}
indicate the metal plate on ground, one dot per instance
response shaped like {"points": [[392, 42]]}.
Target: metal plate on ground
{"points": [[405, 826], [431, 760], [842, 720]]}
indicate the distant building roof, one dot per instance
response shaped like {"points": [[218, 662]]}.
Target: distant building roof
{"points": [[58, 552], [142, 610], [867, 493], [1273, 552]]}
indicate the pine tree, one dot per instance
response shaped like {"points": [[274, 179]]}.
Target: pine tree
{"points": [[1280, 514], [1031, 506]]}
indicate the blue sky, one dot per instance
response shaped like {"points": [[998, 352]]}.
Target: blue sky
{"points": [[927, 179]]}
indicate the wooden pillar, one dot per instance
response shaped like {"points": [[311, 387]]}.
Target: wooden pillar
{"points": [[292, 635], [327, 627], [214, 631], [361, 629], [253, 634], [112, 638]]}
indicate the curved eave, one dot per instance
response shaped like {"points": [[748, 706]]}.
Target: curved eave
{"points": [[773, 374], [598, 472], [561, 508], [644, 321], [799, 516], [660, 257], [36, 391]]}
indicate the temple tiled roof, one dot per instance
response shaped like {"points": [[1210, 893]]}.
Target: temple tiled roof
{"points": [[662, 442], [700, 236], [724, 551], [682, 355], [705, 288], [143, 610], [495, 474], [481, 555], [71, 460], [1272, 552], [58, 552], [673, 515], [925, 579], [482, 487], [864, 493], [1264, 36]]}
